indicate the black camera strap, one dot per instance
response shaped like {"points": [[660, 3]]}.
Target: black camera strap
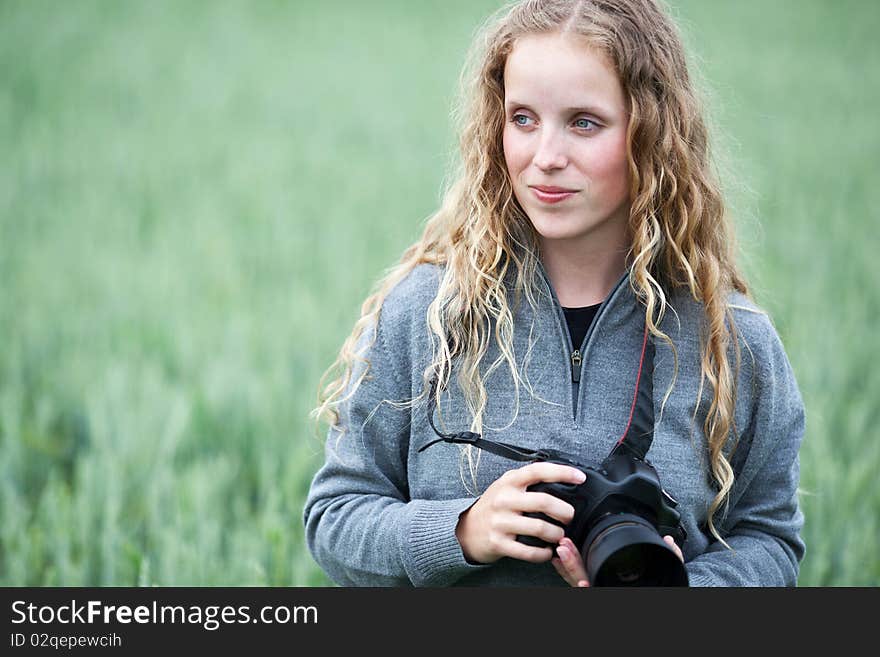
{"points": [[504, 450], [639, 433], [636, 439]]}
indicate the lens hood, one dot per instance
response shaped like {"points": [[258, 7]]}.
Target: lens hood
{"points": [[624, 549]]}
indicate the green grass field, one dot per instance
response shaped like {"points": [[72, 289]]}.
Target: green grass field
{"points": [[195, 197]]}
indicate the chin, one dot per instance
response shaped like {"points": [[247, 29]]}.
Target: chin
{"points": [[556, 228], [577, 225]]}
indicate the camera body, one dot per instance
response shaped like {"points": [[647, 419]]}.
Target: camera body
{"points": [[621, 514]]}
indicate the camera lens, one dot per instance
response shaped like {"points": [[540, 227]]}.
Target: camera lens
{"points": [[626, 550], [629, 564]]}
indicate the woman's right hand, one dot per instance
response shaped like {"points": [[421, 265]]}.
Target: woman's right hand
{"points": [[487, 531]]}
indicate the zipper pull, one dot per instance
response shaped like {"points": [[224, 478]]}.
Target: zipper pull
{"points": [[576, 366]]}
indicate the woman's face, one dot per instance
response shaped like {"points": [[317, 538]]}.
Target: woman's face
{"points": [[565, 140]]}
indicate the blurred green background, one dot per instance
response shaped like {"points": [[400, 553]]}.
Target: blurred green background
{"points": [[195, 197]]}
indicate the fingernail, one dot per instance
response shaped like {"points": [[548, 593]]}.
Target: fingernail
{"points": [[581, 476]]}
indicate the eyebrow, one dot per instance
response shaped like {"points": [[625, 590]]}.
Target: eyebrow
{"points": [[586, 109]]}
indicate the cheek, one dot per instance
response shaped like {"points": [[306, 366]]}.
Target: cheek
{"points": [[609, 163], [516, 154]]}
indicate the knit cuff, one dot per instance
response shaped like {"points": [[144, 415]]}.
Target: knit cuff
{"points": [[434, 556]]}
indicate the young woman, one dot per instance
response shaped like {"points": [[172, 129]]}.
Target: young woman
{"points": [[585, 219]]}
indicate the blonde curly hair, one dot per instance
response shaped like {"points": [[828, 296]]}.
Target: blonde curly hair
{"points": [[680, 234]]}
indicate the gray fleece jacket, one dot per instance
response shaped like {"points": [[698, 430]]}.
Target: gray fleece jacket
{"points": [[379, 513]]}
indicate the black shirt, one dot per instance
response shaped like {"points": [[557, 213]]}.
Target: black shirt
{"points": [[579, 321]]}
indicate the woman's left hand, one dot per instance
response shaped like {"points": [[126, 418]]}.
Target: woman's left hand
{"points": [[570, 566], [568, 563]]}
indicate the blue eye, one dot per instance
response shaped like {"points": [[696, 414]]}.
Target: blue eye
{"points": [[521, 119], [585, 124]]}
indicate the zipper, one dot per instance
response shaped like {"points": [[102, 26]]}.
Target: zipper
{"points": [[576, 355], [576, 366]]}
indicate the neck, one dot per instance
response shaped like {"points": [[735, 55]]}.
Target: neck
{"points": [[582, 276]]}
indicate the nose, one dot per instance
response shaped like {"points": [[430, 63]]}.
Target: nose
{"points": [[551, 151]]}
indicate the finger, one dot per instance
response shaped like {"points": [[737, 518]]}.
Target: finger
{"points": [[520, 525], [563, 572], [568, 543], [573, 578], [550, 505], [546, 472], [516, 550], [671, 543], [571, 560]]}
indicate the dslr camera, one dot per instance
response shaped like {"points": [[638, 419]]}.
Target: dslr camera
{"points": [[621, 514]]}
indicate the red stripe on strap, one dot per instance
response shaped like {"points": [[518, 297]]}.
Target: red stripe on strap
{"points": [[636, 394]]}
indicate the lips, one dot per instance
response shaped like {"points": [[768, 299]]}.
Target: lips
{"points": [[551, 194], [550, 189]]}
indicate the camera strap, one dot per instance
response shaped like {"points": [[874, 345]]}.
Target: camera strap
{"points": [[636, 439], [505, 450], [639, 433]]}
